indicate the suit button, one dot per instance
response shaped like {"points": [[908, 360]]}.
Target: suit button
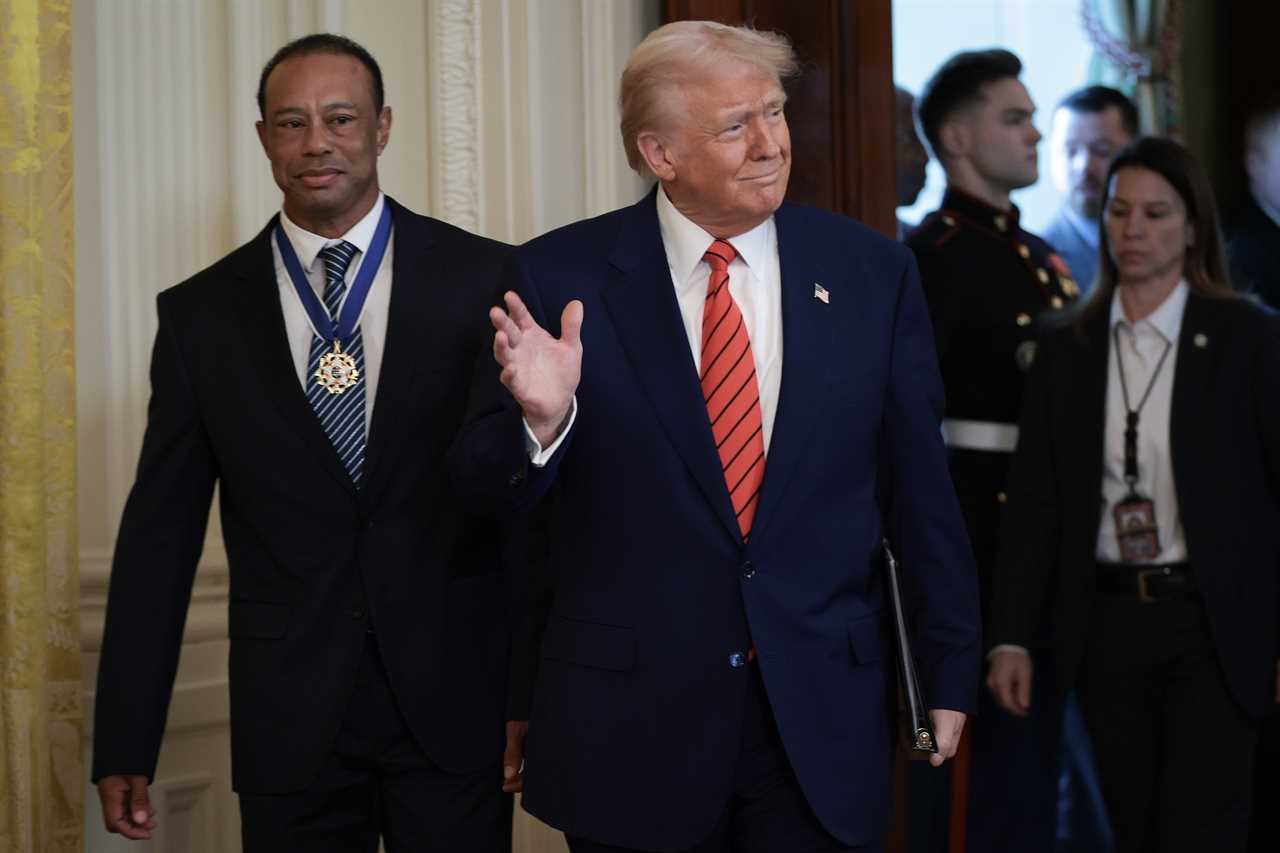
{"points": [[737, 659], [357, 613], [368, 524], [1001, 497], [748, 570], [516, 479]]}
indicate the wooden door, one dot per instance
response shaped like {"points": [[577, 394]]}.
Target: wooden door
{"points": [[840, 108]]}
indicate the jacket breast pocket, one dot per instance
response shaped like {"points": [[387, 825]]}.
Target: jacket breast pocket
{"points": [[590, 644], [257, 620], [867, 639]]}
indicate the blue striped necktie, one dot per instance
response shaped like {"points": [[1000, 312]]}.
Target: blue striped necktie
{"points": [[341, 415]]}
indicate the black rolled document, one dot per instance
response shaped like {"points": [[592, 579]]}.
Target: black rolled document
{"points": [[919, 727]]}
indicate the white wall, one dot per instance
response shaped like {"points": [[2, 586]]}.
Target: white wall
{"points": [[1045, 34], [504, 123]]}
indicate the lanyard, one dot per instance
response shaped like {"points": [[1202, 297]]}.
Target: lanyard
{"points": [[1131, 418], [342, 327]]}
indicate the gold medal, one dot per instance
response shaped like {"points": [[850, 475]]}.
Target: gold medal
{"points": [[337, 370]]}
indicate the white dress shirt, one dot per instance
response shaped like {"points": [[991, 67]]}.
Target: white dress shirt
{"points": [[755, 282], [373, 317], [1142, 344]]}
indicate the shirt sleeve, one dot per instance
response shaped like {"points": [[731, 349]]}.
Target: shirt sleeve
{"points": [[537, 454]]}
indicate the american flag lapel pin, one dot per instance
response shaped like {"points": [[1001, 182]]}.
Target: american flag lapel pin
{"points": [[820, 293]]}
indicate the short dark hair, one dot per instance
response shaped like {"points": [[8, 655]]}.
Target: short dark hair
{"points": [[957, 85], [321, 43], [1099, 99]]}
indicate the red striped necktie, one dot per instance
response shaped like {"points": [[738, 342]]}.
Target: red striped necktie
{"points": [[731, 390]]}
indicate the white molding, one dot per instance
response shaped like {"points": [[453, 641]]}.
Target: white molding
{"points": [[599, 107], [185, 808], [455, 116]]}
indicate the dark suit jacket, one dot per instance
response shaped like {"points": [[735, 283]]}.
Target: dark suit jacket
{"points": [[1225, 447], [313, 561], [637, 710], [1253, 249]]}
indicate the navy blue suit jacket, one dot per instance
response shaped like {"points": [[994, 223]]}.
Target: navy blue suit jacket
{"points": [[637, 709]]}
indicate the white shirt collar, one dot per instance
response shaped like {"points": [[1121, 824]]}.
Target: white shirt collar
{"points": [[308, 246], [1167, 319], [686, 241]]}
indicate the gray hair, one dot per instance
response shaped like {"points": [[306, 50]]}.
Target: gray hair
{"points": [[673, 53]]}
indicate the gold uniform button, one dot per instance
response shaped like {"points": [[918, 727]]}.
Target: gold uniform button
{"points": [[948, 221], [1070, 288], [1043, 275], [1056, 302], [1001, 497], [1024, 251], [1002, 223], [1023, 319]]}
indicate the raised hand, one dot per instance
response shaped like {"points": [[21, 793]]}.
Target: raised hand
{"points": [[540, 371]]}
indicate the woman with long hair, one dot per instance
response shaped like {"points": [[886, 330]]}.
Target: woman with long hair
{"points": [[1143, 516]]}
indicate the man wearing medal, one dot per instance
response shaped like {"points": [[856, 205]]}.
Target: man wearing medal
{"points": [[368, 644]]}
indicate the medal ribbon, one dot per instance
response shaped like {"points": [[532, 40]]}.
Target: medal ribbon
{"points": [[344, 326]]}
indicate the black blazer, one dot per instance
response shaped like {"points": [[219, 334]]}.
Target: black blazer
{"points": [[1253, 248], [313, 561], [1225, 445]]}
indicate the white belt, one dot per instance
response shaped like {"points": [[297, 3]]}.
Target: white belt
{"points": [[980, 435]]}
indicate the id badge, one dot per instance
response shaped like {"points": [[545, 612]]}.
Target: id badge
{"points": [[1136, 531]]}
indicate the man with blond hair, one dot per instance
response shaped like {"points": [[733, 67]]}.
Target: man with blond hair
{"points": [[727, 401]]}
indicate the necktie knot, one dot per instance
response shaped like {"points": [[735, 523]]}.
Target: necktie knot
{"points": [[719, 255], [336, 260]]}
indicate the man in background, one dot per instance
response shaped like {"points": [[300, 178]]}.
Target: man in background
{"points": [[1090, 126], [987, 281], [1253, 251], [1253, 247]]}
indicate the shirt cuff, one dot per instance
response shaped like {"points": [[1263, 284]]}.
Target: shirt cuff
{"points": [[1007, 647], [537, 454]]}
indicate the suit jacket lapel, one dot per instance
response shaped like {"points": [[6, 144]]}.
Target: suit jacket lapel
{"points": [[397, 381], [1192, 386], [1089, 404], [642, 304], [262, 327], [807, 338]]}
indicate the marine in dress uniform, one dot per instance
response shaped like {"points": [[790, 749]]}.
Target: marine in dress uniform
{"points": [[989, 283]]}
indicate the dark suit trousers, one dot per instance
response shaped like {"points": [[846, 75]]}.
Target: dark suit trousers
{"points": [[1264, 833], [767, 811], [1175, 751], [377, 782]]}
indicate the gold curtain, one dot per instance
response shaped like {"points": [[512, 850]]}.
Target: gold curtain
{"points": [[1138, 47], [41, 778]]}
